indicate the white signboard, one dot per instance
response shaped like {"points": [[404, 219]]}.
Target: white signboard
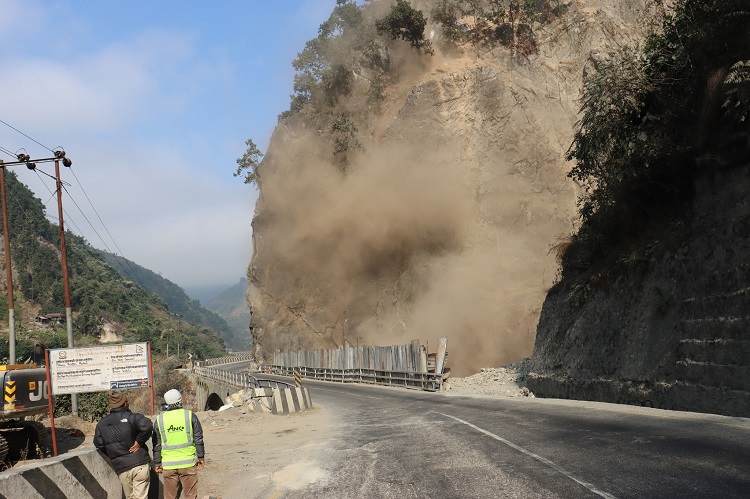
{"points": [[95, 369]]}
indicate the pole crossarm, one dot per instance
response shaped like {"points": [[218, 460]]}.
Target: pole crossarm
{"points": [[25, 159], [33, 161]]}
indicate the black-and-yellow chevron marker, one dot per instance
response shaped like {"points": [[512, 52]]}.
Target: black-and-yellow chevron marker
{"points": [[10, 392], [297, 378]]}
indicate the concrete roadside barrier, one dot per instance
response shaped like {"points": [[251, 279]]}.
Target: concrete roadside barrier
{"points": [[286, 401], [273, 400], [79, 474]]}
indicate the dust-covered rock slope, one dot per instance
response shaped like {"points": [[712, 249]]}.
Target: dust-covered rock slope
{"points": [[435, 211]]}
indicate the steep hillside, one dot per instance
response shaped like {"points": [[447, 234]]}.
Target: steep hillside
{"points": [[424, 196], [670, 332], [232, 306], [180, 305], [106, 306], [652, 305]]}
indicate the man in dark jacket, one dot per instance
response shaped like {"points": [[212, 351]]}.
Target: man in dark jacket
{"points": [[122, 435]]}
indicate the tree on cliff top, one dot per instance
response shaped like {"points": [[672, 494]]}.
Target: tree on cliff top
{"points": [[324, 67], [248, 164], [407, 23], [350, 53]]}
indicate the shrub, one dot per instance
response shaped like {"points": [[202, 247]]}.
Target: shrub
{"points": [[647, 115], [447, 14], [407, 23]]}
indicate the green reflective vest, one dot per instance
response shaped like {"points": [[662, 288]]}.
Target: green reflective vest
{"points": [[176, 432]]}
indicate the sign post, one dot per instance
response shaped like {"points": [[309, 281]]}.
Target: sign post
{"points": [[51, 403], [151, 378], [96, 369]]}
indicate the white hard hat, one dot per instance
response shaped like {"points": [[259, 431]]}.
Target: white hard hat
{"points": [[172, 397]]}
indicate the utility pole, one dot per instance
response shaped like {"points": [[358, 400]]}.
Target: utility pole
{"points": [[178, 334], [24, 159], [8, 272], [63, 250]]}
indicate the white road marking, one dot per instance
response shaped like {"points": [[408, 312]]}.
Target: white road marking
{"points": [[541, 459]]}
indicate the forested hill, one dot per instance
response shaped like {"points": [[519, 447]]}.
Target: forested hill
{"points": [[179, 303], [232, 306], [106, 306]]}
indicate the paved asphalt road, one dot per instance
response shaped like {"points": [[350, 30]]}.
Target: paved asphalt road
{"points": [[397, 443]]}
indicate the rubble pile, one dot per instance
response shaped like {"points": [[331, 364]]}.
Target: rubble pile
{"points": [[505, 381]]}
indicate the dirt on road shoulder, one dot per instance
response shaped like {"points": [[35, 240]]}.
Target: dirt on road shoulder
{"points": [[252, 455], [248, 454]]}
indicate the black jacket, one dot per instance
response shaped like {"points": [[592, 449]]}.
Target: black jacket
{"points": [[117, 432]]}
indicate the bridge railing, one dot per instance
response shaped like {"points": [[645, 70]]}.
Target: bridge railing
{"points": [[238, 357], [408, 365], [417, 380], [239, 379]]}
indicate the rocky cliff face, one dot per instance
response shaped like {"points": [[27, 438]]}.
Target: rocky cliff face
{"points": [[673, 333], [445, 223]]}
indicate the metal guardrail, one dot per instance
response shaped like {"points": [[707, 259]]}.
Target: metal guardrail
{"points": [[238, 357], [418, 380], [240, 379]]}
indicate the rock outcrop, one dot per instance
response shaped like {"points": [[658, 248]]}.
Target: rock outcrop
{"points": [[445, 222], [675, 334]]}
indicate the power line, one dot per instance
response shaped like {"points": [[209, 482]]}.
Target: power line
{"points": [[27, 216], [134, 276], [72, 221], [30, 138], [87, 219], [8, 152], [52, 195], [103, 224], [132, 271]]}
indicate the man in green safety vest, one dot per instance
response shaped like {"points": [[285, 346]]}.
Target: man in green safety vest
{"points": [[178, 448]]}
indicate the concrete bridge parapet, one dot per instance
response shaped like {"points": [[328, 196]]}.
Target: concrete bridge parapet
{"points": [[215, 388]]}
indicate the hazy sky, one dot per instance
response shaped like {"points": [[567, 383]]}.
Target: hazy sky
{"points": [[153, 101]]}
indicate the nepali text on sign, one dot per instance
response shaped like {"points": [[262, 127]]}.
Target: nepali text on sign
{"points": [[94, 369]]}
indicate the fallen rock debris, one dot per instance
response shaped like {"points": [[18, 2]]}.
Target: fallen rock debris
{"points": [[505, 381]]}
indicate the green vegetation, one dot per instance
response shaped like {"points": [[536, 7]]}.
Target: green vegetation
{"points": [[30, 346], [350, 52], [653, 120], [326, 64], [247, 165], [508, 23], [447, 14], [344, 137], [187, 317], [91, 406], [100, 296], [407, 23], [342, 74]]}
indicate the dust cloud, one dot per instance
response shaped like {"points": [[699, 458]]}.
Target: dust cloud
{"points": [[397, 249], [436, 228]]}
